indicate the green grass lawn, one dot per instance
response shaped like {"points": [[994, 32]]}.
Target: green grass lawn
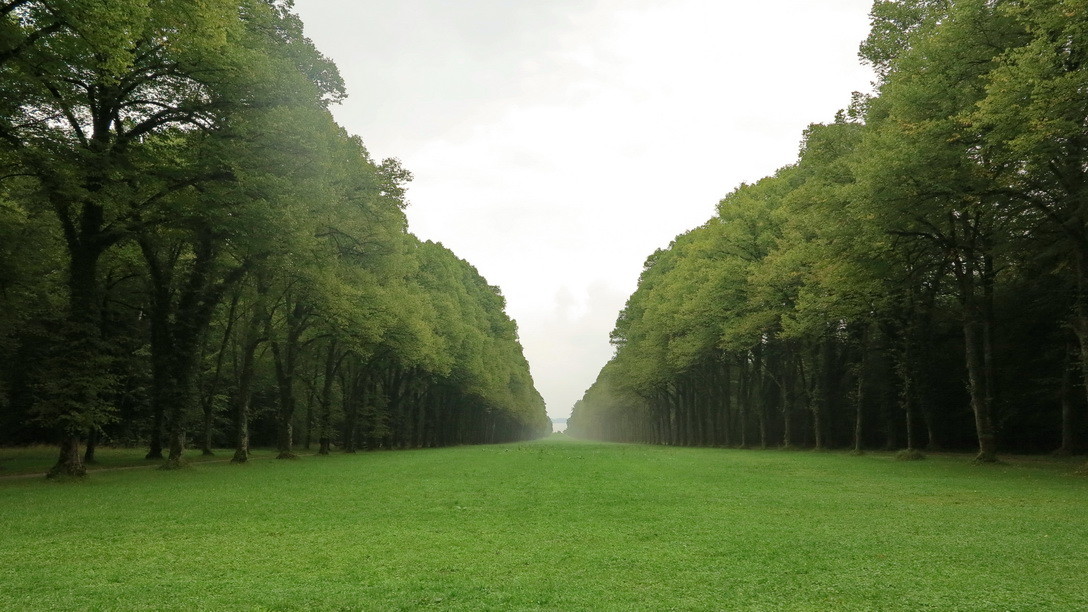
{"points": [[553, 525]]}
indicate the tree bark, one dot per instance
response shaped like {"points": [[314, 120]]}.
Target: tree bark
{"points": [[80, 397], [859, 396], [324, 424], [977, 345], [69, 463], [208, 398], [980, 400], [92, 446], [179, 316], [744, 400], [286, 356], [1068, 416], [1080, 313]]}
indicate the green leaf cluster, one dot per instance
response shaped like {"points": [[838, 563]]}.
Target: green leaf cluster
{"points": [[191, 243], [942, 216]]}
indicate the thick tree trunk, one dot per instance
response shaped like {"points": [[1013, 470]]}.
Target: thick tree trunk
{"points": [[82, 364], [163, 382], [181, 406], [69, 463], [241, 430]]}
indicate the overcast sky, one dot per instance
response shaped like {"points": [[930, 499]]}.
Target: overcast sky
{"points": [[557, 143]]}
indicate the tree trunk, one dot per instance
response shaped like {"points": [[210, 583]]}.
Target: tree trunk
{"points": [[859, 397], [206, 432], [726, 405], [786, 397], [908, 411], [208, 399], [180, 406], [154, 450], [354, 387], [285, 355], [82, 365], [1068, 441], [987, 439], [92, 445], [177, 327], [787, 388], [979, 361], [819, 394], [308, 438], [744, 400], [1080, 314], [247, 372], [324, 423], [241, 428], [69, 463], [760, 394]]}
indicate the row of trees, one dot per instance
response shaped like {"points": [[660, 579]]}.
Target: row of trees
{"points": [[919, 277], [190, 243]]}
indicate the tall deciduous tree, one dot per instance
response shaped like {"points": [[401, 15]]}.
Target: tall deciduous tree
{"points": [[87, 85]]}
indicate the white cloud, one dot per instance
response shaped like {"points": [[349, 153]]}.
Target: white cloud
{"points": [[556, 145]]}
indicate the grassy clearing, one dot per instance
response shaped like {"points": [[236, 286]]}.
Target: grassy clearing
{"points": [[553, 525]]}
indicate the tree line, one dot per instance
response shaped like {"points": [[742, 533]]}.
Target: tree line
{"points": [[192, 248], [917, 279]]}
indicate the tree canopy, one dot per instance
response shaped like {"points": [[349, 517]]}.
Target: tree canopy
{"points": [[189, 244], [915, 279]]}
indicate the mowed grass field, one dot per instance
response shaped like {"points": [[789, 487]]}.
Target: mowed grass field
{"points": [[553, 525]]}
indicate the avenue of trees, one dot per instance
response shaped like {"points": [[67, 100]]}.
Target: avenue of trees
{"points": [[193, 252], [917, 279]]}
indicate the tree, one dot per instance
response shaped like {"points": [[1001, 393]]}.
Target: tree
{"points": [[1031, 121], [925, 174], [87, 86]]}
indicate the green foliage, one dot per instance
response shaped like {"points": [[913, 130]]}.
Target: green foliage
{"points": [[952, 198], [176, 191]]}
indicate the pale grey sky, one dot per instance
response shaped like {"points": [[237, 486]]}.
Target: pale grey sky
{"points": [[555, 144]]}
